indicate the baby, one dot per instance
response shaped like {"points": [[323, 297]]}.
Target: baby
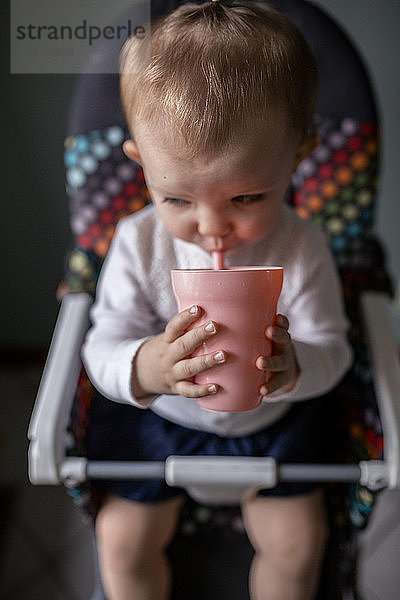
{"points": [[220, 105]]}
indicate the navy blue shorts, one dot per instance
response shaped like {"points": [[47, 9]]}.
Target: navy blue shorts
{"points": [[123, 432]]}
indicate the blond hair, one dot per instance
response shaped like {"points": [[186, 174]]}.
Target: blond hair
{"points": [[211, 72]]}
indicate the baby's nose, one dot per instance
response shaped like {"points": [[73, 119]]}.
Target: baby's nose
{"points": [[213, 224]]}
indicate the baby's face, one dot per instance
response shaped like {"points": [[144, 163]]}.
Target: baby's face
{"points": [[228, 202]]}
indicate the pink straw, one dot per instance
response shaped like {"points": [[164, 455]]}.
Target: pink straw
{"points": [[218, 259]]}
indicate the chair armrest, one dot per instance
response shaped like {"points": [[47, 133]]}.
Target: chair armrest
{"points": [[384, 354], [50, 416]]}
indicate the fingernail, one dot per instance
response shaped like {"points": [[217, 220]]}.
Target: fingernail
{"points": [[219, 356], [193, 309], [210, 327], [212, 389]]}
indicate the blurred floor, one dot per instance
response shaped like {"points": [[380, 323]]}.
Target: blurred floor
{"points": [[46, 545]]}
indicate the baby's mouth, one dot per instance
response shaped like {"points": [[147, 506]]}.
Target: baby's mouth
{"points": [[218, 244]]}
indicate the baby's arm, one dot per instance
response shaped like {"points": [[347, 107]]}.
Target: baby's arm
{"points": [[163, 364]]}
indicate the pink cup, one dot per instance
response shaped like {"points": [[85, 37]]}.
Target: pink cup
{"points": [[242, 301]]}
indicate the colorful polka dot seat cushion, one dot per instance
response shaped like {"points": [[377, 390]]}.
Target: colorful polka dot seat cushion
{"points": [[335, 187]]}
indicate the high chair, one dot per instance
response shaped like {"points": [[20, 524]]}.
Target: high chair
{"points": [[335, 187]]}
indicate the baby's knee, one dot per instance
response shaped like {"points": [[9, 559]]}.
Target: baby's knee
{"points": [[300, 551], [130, 535], [119, 551], [289, 533]]}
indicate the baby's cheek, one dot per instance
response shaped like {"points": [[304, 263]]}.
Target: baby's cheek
{"points": [[258, 228]]}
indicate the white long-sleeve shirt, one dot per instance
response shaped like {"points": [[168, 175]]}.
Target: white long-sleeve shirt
{"points": [[135, 300]]}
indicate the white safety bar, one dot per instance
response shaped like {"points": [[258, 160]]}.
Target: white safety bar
{"points": [[50, 417], [209, 479]]}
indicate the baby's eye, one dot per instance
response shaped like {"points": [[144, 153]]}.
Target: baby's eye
{"points": [[247, 198], [176, 201]]}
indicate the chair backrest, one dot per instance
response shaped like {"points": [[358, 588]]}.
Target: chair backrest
{"points": [[335, 186]]}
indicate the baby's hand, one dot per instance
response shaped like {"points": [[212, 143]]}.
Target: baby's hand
{"points": [[282, 367], [164, 365]]}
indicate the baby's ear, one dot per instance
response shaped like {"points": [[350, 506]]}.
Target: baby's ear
{"points": [[306, 147], [131, 151]]}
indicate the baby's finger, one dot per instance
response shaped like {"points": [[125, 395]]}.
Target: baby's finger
{"points": [[278, 335], [282, 321], [181, 321], [192, 390], [277, 362], [187, 343], [274, 383], [188, 368]]}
